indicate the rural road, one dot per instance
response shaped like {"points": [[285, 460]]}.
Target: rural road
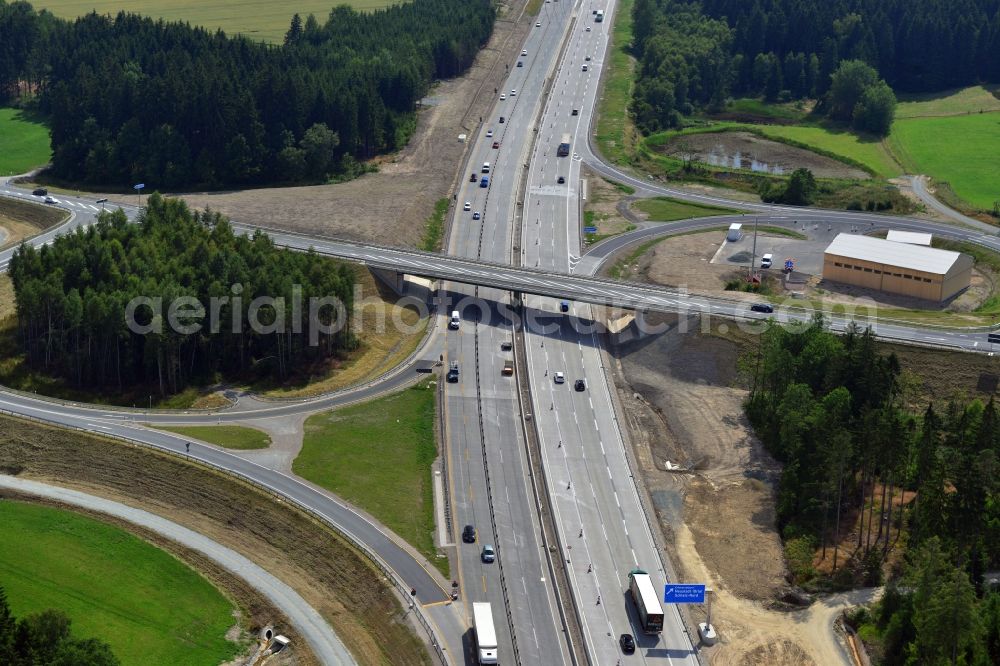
{"points": [[919, 185], [321, 638]]}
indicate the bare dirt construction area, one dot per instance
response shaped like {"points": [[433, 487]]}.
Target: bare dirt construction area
{"points": [[604, 207], [712, 487], [391, 206], [744, 150], [682, 261]]}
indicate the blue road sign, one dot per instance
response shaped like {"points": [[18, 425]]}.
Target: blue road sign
{"points": [[590, 230], [139, 186], [683, 593]]}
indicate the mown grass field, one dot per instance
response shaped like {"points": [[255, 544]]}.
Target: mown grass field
{"points": [[149, 606], [665, 209], [257, 19], [974, 99], [960, 150], [378, 455], [226, 436], [24, 142]]}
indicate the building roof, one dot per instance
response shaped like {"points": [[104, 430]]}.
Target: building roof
{"points": [[903, 255], [911, 237]]}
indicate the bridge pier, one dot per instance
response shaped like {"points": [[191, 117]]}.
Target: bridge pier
{"points": [[392, 279]]}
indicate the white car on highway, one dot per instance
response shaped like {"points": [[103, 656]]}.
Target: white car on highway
{"points": [[467, 206], [559, 378]]}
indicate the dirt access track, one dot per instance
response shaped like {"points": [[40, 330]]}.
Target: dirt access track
{"points": [[712, 488], [392, 206]]}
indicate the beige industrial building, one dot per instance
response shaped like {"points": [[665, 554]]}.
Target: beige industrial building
{"points": [[898, 268]]}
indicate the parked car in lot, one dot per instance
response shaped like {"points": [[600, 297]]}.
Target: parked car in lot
{"points": [[762, 307], [488, 555], [469, 534], [580, 385], [627, 643]]}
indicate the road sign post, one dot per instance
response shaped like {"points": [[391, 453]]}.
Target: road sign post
{"points": [[683, 593], [138, 188], [692, 593]]}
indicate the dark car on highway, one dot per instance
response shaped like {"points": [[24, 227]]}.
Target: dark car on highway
{"points": [[762, 307], [580, 385], [627, 643], [469, 534], [40, 191], [453, 372]]}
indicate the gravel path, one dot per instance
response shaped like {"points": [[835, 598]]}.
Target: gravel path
{"points": [[323, 641]]}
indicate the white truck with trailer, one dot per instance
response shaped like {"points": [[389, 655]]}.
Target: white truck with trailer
{"points": [[486, 635]]}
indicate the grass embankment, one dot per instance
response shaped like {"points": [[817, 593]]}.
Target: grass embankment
{"points": [[318, 563], [533, 7], [614, 133], [378, 456], [264, 21], [665, 209], [24, 142], [226, 436], [434, 229], [21, 219], [147, 605]]}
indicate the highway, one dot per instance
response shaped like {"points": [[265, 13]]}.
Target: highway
{"points": [[488, 469], [602, 524], [584, 450]]}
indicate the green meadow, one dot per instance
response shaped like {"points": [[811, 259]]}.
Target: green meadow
{"points": [[24, 142], [257, 19], [147, 605]]}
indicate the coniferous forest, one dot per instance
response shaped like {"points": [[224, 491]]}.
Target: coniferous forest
{"points": [[71, 296], [694, 55], [133, 100], [867, 477]]}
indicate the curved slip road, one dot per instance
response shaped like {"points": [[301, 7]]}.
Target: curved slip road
{"points": [[321, 638]]}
